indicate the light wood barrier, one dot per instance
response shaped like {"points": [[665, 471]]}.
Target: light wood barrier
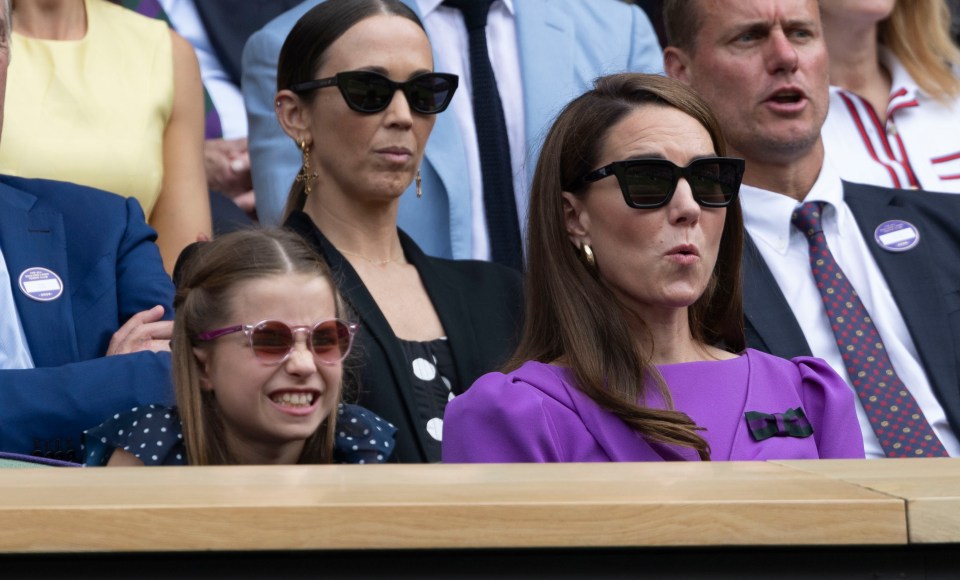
{"points": [[930, 489], [681, 510]]}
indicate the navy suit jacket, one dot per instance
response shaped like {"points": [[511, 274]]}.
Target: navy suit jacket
{"points": [[104, 252], [229, 23], [924, 281]]}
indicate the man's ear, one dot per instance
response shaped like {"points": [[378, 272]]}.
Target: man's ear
{"points": [[294, 115], [203, 367], [676, 63], [576, 218]]}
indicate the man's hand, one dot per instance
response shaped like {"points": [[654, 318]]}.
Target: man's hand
{"points": [[144, 331], [227, 164], [247, 202]]}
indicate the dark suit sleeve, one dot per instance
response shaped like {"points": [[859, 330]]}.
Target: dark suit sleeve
{"points": [[229, 23], [142, 282], [40, 406]]}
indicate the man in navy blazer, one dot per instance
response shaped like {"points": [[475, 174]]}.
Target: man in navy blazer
{"points": [[86, 284], [563, 45], [762, 67]]}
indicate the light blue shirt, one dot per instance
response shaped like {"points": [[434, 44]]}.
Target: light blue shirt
{"points": [[14, 352]]}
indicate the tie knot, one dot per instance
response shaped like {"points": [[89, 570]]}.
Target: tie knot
{"points": [[474, 11], [807, 218]]}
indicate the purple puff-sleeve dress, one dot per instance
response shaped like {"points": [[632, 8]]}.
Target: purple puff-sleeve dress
{"points": [[537, 414]]}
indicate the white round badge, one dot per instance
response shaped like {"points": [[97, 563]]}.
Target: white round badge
{"points": [[41, 284], [897, 236]]}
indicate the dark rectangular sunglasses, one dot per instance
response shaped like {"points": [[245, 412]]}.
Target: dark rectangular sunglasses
{"points": [[650, 183], [370, 92]]}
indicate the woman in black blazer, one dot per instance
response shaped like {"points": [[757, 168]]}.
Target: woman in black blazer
{"points": [[359, 97]]}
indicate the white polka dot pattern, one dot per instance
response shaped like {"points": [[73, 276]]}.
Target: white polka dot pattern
{"points": [[424, 369], [435, 428], [154, 435]]}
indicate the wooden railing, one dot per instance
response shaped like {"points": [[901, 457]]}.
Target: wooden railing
{"points": [[892, 503]]}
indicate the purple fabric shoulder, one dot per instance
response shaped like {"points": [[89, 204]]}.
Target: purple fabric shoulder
{"points": [[536, 414], [828, 401], [501, 419]]}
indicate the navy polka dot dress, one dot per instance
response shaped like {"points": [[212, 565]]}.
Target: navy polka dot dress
{"points": [[155, 436], [431, 367]]}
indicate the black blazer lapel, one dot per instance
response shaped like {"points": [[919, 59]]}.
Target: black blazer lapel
{"points": [[453, 313], [372, 321], [912, 277], [32, 237], [770, 323]]}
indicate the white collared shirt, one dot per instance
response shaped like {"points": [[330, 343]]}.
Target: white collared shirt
{"points": [[448, 35], [785, 250], [917, 147], [226, 96], [14, 351]]}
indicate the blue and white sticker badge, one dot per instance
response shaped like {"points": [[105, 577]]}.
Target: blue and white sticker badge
{"points": [[897, 235], [41, 284]]}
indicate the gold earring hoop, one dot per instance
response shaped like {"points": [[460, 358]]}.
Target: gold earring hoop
{"points": [[304, 176], [419, 181], [587, 252]]}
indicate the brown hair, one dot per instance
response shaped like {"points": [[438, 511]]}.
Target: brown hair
{"points": [[306, 46], [571, 314], [203, 301], [918, 33], [681, 21]]}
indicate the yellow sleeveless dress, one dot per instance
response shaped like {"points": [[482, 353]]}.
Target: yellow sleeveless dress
{"points": [[92, 111]]}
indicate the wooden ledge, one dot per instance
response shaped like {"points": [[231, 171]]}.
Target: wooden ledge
{"points": [[930, 488], [440, 506]]}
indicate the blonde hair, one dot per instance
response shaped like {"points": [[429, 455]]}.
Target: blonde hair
{"points": [[918, 33], [207, 277]]}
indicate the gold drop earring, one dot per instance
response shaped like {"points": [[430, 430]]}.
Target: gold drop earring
{"points": [[587, 252], [304, 176]]}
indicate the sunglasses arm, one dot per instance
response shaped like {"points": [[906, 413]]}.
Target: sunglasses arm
{"points": [[215, 334]]}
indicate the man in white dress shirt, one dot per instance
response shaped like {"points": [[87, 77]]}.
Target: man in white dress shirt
{"points": [[762, 66]]}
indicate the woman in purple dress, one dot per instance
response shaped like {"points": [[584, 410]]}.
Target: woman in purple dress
{"points": [[633, 346]]}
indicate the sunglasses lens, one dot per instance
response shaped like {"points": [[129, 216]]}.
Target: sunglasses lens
{"points": [[331, 341], [271, 341], [648, 184], [366, 92], [429, 93], [714, 183]]}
